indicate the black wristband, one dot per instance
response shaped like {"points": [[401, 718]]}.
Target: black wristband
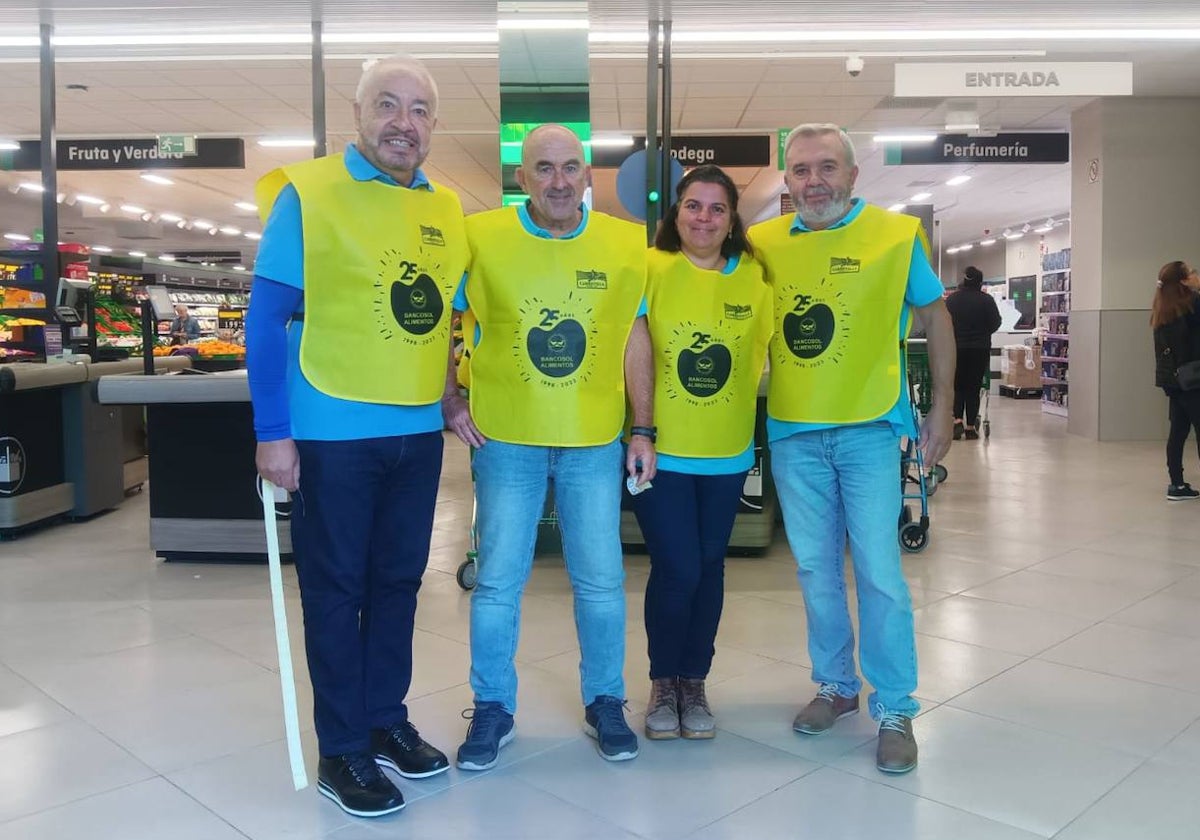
{"points": [[645, 431]]}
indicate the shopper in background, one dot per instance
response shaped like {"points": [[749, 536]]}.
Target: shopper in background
{"points": [[1175, 319], [184, 327], [346, 347], [556, 291], [710, 321], [845, 276], [976, 317]]}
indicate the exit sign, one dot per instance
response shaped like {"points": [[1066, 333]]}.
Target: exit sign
{"points": [[176, 144]]}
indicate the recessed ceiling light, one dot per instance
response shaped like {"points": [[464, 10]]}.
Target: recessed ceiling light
{"points": [[102, 249], [967, 247], [246, 205], [610, 142], [167, 257], [89, 199], [105, 207], [137, 253], [252, 235], [958, 180], [9, 145], [287, 142], [201, 224], [896, 208], [133, 208], [31, 186], [230, 230], [905, 138], [986, 242], [952, 250], [156, 179], [170, 217], [16, 237], [921, 196], [1011, 236], [542, 23], [1044, 229], [239, 268]]}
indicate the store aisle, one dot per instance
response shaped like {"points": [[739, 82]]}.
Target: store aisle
{"points": [[1059, 638]]}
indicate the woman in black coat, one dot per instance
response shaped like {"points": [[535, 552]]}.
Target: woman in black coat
{"points": [[975, 317], [1175, 318]]}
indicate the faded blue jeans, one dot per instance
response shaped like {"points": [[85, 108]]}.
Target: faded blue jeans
{"points": [[510, 487], [834, 482]]}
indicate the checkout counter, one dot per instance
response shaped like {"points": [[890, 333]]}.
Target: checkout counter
{"points": [[205, 494], [61, 451]]}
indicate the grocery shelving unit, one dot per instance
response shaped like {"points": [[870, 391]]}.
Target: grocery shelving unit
{"points": [[1055, 331]]}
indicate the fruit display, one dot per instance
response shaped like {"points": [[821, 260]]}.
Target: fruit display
{"points": [[13, 297], [220, 349], [116, 325]]}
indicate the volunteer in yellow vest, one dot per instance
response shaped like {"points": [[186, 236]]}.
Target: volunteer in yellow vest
{"points": [[346, 349], [846, 276], [557, 292], [710, 321]]}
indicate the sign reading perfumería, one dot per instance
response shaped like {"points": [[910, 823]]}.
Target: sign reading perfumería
{"points": [[1012, 147], [1007, 78]]}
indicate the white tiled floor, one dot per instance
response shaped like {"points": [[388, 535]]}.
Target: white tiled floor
{"points": [[1058, 633]]}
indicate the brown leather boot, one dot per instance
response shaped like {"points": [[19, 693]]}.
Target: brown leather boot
{"points": [[662, 713], [695, 718]]}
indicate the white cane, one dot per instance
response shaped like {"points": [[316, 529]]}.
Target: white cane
{"points": [[287, 679]]}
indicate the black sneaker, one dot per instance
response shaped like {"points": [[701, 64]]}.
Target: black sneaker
{"points": [[1181, 492], [958, 430], [402, 749], [604, 720], [357, 785], [491, 728]]}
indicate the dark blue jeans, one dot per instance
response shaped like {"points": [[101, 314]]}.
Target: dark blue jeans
{"points": [[361, 528], [687, 521]]}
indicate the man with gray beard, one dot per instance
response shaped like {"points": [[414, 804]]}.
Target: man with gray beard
{"points": [[847, 276]]}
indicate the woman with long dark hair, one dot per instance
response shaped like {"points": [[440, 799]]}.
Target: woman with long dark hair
{"points": [[1175, 318], [710, 317]]}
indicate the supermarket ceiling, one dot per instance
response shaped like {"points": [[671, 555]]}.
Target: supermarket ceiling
{"points": [[220, 68]]}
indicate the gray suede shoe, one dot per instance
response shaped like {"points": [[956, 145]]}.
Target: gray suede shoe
{"points": [[824, 710], [662, 712], [897, 748], [695, 717]]}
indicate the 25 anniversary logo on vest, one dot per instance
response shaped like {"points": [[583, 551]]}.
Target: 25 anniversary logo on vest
{"points": [[409, 297], [699, 364], [556, 341], [815, 323]]}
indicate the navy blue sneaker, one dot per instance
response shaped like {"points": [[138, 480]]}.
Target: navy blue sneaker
{"points": [[604, 720], [491, 728]]}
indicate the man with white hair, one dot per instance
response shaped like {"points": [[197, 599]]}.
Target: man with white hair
{"points": [[346, 348], [847, 276]]}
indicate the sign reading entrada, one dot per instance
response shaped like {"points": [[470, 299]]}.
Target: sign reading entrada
{"points": [[1015, 78]]}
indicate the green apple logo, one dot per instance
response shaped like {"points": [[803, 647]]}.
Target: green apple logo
{"points": [[808, 332], [557, 345], [417, 307], [705, 373]]}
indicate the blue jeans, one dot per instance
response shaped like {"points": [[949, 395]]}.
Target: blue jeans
{"points": [[510, 487], [686, 521], [833, 482], [361, 526]]}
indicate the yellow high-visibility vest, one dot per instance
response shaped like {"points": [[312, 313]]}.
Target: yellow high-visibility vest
{"points": [[710, 333], [381, 265], [554, 316], [839, 293]]}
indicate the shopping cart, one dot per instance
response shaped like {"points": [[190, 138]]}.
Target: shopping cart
{"points": [[913, 531]]}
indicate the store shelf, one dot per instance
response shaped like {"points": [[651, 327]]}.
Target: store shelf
{"points": [[1046, 380], [1062, 359]]}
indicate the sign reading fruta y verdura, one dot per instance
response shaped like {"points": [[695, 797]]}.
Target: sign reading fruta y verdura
{"points": [[1011, 78]]}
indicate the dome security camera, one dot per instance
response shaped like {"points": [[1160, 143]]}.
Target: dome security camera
{"points": [[854, 65]]}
